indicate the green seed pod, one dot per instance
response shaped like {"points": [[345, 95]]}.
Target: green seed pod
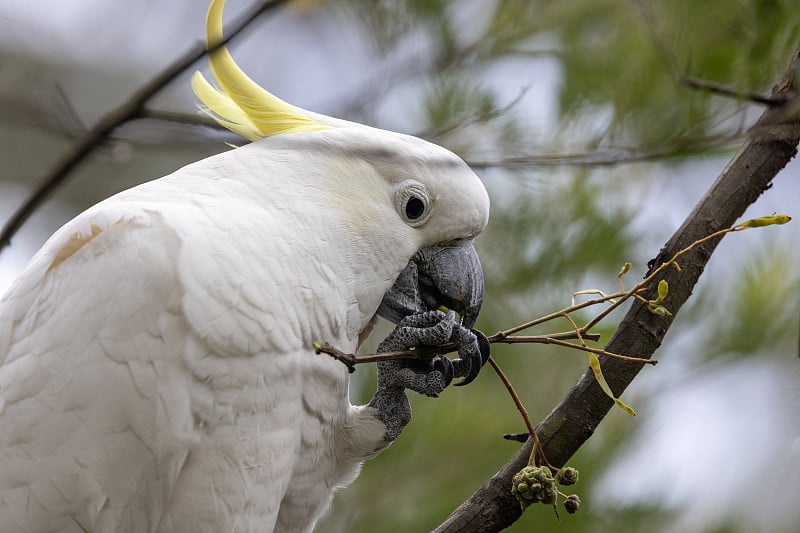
{"points": [[567, 476]]}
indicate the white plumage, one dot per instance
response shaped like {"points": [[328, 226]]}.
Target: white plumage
{"points": [[157, 368]]}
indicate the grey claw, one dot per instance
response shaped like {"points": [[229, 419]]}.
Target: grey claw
{"points": [[474, 369], [473, 352], [445, 367], [483, 345]]}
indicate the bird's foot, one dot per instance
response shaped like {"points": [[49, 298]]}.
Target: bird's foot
{"points": [[425, 374]]}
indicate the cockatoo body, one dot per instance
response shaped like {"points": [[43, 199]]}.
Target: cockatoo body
{"points": [[157, 362]]}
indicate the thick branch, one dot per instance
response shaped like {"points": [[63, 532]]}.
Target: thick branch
{"points": [[768, 148]]}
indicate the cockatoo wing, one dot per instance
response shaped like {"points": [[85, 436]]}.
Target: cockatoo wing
{"points": [[135, 340], [84, 387]]}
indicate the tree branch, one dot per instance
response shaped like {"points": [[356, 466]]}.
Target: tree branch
{"points": [[610, 157], [769, 147], [722, 90], [127, 111]]}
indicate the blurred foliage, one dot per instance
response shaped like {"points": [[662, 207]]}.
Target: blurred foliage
{"points": [[623, 57], [752, 312], [629, 55], [577, 227]]}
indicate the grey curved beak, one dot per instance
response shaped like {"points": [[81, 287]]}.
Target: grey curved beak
{"points": [[444, 275]]}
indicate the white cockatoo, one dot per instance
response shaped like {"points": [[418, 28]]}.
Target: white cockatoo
{"points": [[157, 362]]}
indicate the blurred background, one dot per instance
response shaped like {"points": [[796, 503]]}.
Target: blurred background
{"points": [[593, 152]]}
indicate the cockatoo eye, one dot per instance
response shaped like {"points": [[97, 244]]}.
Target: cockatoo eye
{"points": [[415, 208], [413, 202]]}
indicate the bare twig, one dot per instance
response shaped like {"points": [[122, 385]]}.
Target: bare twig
{"points": [[610, 157], [537, 447], [185, 118], [351, 360], [579, 347], [111, 121], [717, 88]]}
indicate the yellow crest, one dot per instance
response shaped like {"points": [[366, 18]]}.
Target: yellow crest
{"points": [[240, 104]]}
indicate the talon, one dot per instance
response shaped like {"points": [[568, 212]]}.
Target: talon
{"points": [[475, 358], [483, 345], [445, 367], [471, 357], [471, 375]]}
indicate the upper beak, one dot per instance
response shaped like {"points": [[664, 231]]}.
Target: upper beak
{"points": [[442, 275]]}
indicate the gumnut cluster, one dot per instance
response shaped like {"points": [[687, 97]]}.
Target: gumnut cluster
{"points": [[534, 484]]}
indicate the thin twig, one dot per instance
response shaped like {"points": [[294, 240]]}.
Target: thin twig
{"points": [[546, 318], [185, 118], [351, 360], [718, 88], [537, 447], [114, 119], [610, 157], [581, 347]]}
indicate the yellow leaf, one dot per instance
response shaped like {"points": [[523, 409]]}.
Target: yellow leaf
{"points": [[594, 362]]}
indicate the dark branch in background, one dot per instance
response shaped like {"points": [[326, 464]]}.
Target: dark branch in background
{"points": [[610, 156], [131, 109], [723, 90], [184, 118], [768, 148]]}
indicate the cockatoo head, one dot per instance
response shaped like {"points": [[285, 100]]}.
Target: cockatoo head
{"points": [[416, 198]]}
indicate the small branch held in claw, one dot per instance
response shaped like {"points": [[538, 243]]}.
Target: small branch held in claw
{"points": [[351, 360]]}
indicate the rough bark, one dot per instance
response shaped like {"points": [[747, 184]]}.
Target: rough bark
{"points": [[772, 143]]}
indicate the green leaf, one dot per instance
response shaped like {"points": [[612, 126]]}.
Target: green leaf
{"points": [[594, 362], [663, 289], [768, 220]]}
